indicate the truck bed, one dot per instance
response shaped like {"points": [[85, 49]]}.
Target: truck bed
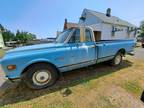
{"points": [[107, 49]]}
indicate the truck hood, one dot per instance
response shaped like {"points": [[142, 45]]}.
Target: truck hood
{"points": [[36, 47]]}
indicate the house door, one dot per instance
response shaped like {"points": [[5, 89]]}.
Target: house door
{"points": [[97, 35]]}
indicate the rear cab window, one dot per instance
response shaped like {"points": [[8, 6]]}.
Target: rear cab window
{"points": [[88, 36]]}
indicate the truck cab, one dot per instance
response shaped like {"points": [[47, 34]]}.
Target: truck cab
{"points": [[81, 44]]}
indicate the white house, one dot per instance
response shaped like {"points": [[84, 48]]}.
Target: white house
{"points": [[106, 26], [1, 40]]}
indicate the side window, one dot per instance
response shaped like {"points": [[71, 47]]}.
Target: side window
{"points": [[88, 37], [75, 36]]}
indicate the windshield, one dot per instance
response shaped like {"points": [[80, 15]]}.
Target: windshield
{"points": [[63, 36]]}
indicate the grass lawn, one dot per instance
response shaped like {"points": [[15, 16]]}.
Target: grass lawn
{"points": [[98, 86]]}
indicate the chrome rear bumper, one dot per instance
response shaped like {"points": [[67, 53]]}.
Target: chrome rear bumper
{"points": [[14, 79]]}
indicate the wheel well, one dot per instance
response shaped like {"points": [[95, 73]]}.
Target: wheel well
{"points": [[122, 51], [41, 63]]}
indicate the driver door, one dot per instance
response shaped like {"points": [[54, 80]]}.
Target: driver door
{"points": [[74, 48], [80, 49]]}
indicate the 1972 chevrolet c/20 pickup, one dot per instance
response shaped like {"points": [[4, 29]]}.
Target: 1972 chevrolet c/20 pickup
{"points": [[40, 65]]}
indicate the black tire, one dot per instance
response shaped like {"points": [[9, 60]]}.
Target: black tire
{"points": [[114, 62], [142, 45], [30, 76]]}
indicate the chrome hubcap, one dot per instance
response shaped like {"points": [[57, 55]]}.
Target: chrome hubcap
{"points": [[41, 77], [117, 59]]}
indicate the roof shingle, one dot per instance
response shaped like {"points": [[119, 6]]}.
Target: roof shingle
{"points": [[111, 20]]}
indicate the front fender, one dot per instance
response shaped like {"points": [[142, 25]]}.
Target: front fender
{"points": [[12, 74], [38, 61]]}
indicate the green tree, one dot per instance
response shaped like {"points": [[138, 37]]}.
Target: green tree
{"points": [[24, 37], [141, 34], [20, 36], [7, 34], [2, 28]]}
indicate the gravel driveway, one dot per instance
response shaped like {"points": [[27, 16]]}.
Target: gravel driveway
{"points": [[139, 53]]}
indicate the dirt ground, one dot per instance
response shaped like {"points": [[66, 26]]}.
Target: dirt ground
{"points": [[98, 86]]}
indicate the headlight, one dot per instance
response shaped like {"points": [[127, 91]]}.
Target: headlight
{"points": [[2, 53]]}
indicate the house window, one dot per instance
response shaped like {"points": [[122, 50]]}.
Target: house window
{"points": [[83, 17], [113, 31]]}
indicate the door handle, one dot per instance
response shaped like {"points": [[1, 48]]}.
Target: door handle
{"points": [[93, 46], [72, 56]]}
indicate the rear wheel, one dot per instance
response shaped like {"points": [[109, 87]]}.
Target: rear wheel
{"points": [[117, 59], [40, 76], [142, 45]]}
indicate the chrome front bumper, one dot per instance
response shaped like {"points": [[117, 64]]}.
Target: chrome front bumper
{"points": [[11, 79], [131, 53], [15, 79]]}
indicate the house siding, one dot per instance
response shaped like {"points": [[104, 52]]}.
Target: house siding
{"points": [[105, 28], [107, 32], [1, 41], [90, 19]]}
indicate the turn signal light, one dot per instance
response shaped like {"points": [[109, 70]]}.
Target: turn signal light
{"points": [[11, 67]]}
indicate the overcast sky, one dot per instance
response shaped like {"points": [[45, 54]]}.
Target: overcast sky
{"points": [[45, 17]]}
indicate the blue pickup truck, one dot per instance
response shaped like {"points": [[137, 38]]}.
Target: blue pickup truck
{"points": [[39, 66]]}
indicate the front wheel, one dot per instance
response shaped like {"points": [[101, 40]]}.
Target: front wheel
{"points": [[40, 76], [117, 59]]}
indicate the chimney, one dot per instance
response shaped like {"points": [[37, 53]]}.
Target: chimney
{"points": [[65, 24], [108, 12]]}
